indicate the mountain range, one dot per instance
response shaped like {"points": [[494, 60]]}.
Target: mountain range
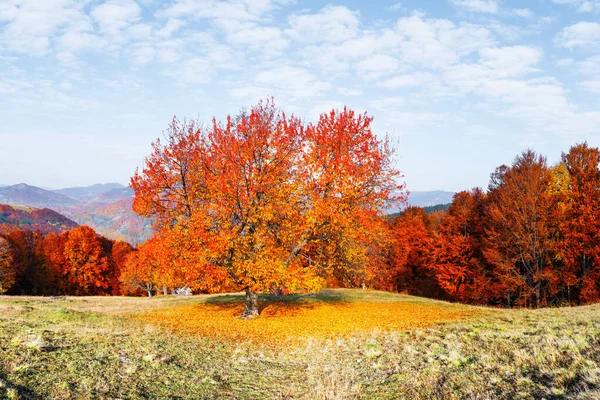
{"points": [[105, 207], [108, 209]]}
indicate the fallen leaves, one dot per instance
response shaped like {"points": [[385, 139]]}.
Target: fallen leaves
{"points": [[283, 322]]}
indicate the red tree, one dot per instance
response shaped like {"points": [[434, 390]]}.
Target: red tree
{"points": [[268, 201]]}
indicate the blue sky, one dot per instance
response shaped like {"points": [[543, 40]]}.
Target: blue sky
{"points": [[461, 86]]}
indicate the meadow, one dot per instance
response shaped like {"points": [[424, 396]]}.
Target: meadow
{"points": [[339, 344]]}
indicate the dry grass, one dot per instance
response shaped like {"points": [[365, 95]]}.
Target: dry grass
{"points": [[355, 344]]}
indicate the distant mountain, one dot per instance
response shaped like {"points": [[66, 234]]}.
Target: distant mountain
{"points": [[43, 220], [115, 195], [89, 192], [105, 207], [32, 196], [430, 198], [115, 220]]}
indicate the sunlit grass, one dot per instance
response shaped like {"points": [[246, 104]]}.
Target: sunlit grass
{"points": [[354, 344], [332, 315]]}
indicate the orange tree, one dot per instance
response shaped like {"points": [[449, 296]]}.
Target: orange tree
{"points": [[580, 247], [270, 201], [7, 269], [520, 234]]}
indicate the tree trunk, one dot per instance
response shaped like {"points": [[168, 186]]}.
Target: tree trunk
{"points": [[164, 291], [251, 308], [149, 289]]}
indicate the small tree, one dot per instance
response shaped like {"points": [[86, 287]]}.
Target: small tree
{"points": [[269, 201], [139, 271]]}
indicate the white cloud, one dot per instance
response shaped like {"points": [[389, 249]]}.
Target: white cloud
{"points": [[524, 13], [581, 5], [511, 61], [408, 80], [478, 6], [592, 86], [564, 62], [581, 34], [192, 71], [298, 82], [30, 24], [172, 26], [377, 65], [395, 7], [267, 39], [438, 42], [590, 66], [115, 15], [241, 10], [331, 24], [349, 91]]}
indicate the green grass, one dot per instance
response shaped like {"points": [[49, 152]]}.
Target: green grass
{"points": [[89, 348]]}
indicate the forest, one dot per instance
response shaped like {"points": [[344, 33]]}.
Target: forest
{"points": [[264, 203]]}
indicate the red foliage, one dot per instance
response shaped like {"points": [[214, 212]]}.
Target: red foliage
{"points": [[268, 201]]}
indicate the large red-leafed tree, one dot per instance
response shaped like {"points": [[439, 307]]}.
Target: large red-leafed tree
{"points": [[520, 230], [580, 244], [459, 265], [270, 201]]}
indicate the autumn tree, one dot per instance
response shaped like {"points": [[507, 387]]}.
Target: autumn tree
{"points": [[153, 266], [411, 253], [7, 266], [119, 251], [268, 200], [459, 265], [519, 234], [29, 262], [87, 266], [580, 227]]}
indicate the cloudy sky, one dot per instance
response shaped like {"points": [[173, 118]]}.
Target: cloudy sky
{"points": [[461, 86]]}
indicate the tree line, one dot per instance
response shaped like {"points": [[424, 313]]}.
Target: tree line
{"points": [[531, 240], [264, 202], [75, 262]]}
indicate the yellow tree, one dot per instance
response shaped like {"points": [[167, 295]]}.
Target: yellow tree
{"points": [[269, 201]]}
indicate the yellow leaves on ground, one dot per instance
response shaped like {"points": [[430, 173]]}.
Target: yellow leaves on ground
{"points": [[282, 322]]}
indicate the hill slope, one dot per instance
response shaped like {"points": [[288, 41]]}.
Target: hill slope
{"points": [[101, 349], [89, 192], [116, 220], [42, 220], [32, 196], [104, 207]]}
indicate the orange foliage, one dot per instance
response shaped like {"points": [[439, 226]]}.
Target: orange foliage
{"points": [[459, 265], [268, 201], [411, 254], [7, 267], [284, 322]]}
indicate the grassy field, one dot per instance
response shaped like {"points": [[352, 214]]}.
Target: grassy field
{"points": [[339, 344]]}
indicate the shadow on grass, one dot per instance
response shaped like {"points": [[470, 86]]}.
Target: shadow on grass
{"points": [[276, 302], [23, 392]]}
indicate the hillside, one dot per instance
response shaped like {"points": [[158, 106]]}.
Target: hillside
{"points": [[399, 347], [42, 220], [104, 207], [32, 196], [89, 192], [115, 221]]}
